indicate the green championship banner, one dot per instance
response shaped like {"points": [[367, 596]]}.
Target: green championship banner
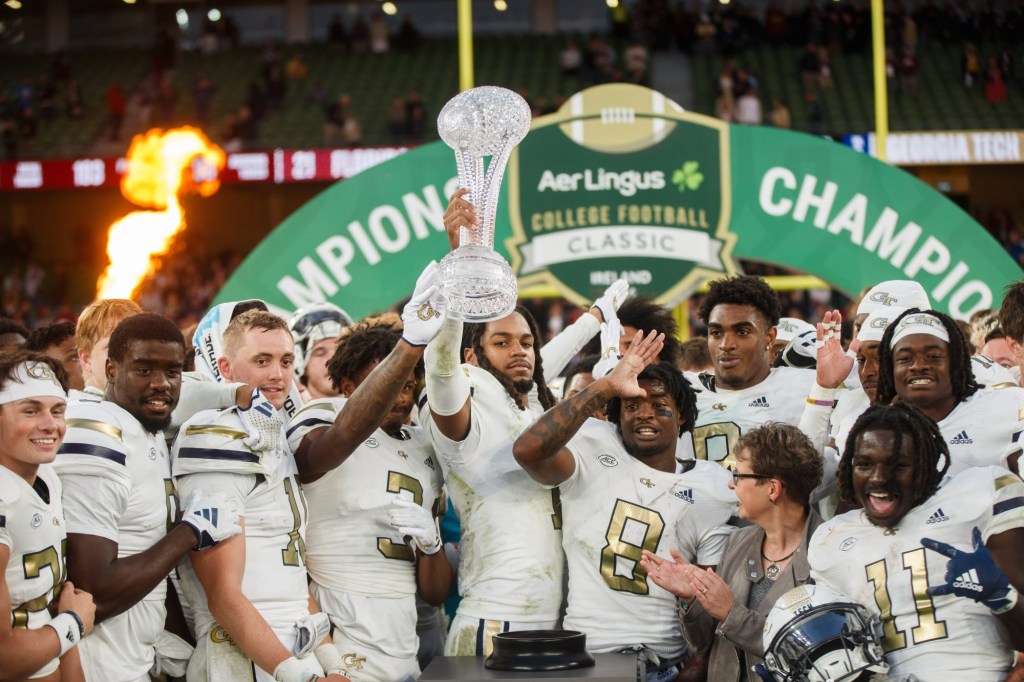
{"points": [[621, 182]]}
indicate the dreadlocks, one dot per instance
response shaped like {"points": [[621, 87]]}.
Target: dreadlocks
{"points": [[960, 374], [472, 337], [908, 425]]}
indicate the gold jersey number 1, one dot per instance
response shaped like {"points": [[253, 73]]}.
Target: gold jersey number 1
{"points": [[928, 627]]}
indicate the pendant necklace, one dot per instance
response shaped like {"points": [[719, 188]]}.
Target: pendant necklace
{"points": [[773, 570]]}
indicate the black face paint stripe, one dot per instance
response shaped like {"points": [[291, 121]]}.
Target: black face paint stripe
{"points": [[663, 413]]}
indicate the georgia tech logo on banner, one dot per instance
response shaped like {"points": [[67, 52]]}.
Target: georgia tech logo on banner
{"points": [[621, 182]]}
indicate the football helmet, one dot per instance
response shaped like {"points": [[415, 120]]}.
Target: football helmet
{"points": [[814, 634], [800, 351], [312, 323]]}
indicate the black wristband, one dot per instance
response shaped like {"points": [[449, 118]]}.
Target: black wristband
{"points": [[78, 619]]}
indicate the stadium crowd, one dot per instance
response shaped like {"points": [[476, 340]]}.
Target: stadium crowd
{"points": [[784, 498]]}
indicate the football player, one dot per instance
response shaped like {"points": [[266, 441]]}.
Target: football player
{"points": [[831, 409], [893, 293], [34, 641], [924, 360], [252, 607], [623, 491], [511, 545], [745, 390], [316, 328], [92, 337], [58, 341], [387, 490], [123, 534], [939, 564]]}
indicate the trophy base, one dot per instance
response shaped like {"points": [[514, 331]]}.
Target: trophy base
{"points": [[478, 285]]}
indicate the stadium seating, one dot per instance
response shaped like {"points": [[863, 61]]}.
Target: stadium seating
{"points": [[940, 103], [95, 71], [522, 62]]}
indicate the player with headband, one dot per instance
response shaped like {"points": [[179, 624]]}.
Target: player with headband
{"points": [[33, 643]]}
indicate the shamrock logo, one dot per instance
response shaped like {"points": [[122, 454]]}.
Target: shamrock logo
{"points": [[688, 177]]}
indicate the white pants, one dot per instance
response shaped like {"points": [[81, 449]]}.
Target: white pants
{"points": [[472, 636], [218, 659], [122, 649], [375, 635]]}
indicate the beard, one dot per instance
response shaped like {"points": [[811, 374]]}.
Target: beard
{"points": [[523, 385], [152, 424]]}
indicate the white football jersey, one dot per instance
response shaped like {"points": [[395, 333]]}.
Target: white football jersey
{"points": [[724, 415], [209, 455], [116, 478], [511, 559], [854, 402], [888, 570], [35, 533], [978, 431], [613, 507], [352, 502]]}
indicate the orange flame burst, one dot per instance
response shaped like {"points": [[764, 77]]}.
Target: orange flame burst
{"points": [[154, 179]]}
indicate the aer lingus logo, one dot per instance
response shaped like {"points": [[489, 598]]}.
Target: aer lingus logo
{"points": [[688, 177], [620, 182]]}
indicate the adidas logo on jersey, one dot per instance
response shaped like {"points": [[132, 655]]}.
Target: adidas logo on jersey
{"points": [[760, 402], [937, 517], [961, 439], [969, 581], [685, 495]]}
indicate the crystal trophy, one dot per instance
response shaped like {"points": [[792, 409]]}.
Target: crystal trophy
{"points": [[487, 121]]}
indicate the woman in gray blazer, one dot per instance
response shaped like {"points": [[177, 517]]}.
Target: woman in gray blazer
{"points": [[723, 611]]}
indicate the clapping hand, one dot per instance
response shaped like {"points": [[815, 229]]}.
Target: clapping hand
{"points": [[668, 574]]}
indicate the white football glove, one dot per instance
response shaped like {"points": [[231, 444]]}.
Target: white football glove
{"points": [[424, 313], [418, 523], [213, 518], [612, 298], [611, 332], [297, 670], [312, 629], [263, 422], [172, 655]]}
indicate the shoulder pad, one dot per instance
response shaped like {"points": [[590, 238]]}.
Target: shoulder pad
{"points": [[9, 488], [94, 442], [212, 441]]}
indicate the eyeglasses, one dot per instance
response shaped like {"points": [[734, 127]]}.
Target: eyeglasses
{"points": [[316, 318], [736, 477]]}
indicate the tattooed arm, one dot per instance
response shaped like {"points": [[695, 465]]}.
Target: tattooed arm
{"points": [[541, 450], [324, 449]]}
